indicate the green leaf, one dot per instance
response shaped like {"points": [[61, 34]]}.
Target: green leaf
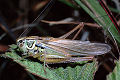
{"points": [[83, 71], [13, 46], [115, 75], [94, 9]]}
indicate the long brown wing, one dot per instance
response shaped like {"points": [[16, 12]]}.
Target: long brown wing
{"points": [[75, 47]]}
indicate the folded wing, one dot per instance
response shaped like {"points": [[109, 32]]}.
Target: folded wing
{"points": [[76, 47]]}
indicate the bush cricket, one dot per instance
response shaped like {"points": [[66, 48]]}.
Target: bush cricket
{"points": [[60, 50]]}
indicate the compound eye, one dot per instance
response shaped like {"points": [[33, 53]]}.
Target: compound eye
{"points": [[20, 41]]}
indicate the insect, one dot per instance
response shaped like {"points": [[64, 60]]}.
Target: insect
{"points": [[56, 50]]}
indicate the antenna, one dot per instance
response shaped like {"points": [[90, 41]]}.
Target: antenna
{"points": [[38, 18]]}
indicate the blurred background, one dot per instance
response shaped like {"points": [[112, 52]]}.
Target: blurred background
{"points": [[17, 15]]}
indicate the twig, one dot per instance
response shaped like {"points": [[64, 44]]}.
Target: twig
{"points": [[61, 22]]}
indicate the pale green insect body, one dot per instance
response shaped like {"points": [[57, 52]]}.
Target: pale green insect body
{"points": [[55, 50], [38, 49]]}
